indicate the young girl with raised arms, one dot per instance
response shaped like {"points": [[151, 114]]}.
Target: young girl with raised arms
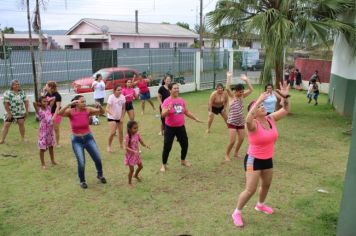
{"points": [[133, 156], [46, 130]]}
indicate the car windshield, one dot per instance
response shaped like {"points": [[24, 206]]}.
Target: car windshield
{"points": [[104, 74]]}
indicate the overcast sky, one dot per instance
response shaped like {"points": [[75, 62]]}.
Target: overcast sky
{"points": [[63, 14]]}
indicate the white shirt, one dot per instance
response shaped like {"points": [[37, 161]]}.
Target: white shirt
{"points": [[99, 89], [116, 104]]}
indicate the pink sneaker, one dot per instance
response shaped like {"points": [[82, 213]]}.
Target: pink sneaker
{"points": [[264, 208], [237, 218]]}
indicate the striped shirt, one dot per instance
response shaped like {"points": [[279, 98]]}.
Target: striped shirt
{"points": [[236, 116]]}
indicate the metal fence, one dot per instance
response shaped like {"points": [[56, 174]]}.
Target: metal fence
{"points": [[65, 66]]}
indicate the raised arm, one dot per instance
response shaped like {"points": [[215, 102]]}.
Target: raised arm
{"points": [[250, 118], [65, 111], [282, 112], [35, 105], [97, 111], [247, 92], [228, 83]]}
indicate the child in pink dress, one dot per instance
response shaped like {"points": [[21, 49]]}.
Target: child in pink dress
{"points": [[132, 156], [46, 130]]}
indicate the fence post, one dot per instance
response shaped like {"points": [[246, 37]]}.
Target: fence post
{"points": [[197, 70], [231, 60]]}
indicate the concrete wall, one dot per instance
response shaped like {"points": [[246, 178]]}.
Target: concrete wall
{"points": [[307, 68], [342, 90]]}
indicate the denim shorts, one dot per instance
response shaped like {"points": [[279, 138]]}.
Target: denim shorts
{"points": [[145, 96]]}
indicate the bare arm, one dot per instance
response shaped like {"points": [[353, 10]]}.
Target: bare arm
{"points": [[159, 98], [108, 109], [247, 81], [250, 118], [165, 110], [228, 83], [122, 113], [26, 107], [282, 112], [192, 116], [35, 105], [65, 111], [143, 144], [211, 101], [98, 110]]}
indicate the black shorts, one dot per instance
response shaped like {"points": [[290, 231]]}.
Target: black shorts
{"points": [[252, 163], [128, 106], [217, 110], [12, 119], [110, 120]]}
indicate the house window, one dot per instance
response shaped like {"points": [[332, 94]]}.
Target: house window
{"points": [[125, 45], [68, 46], [182, 45], [164, 45], [146, 45]]}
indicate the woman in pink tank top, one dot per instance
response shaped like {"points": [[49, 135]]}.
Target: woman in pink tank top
{"points": [[82, 138], [262, 135]]}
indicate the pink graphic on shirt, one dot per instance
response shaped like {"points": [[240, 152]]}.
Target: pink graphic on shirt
{"points": [[175, 117]]}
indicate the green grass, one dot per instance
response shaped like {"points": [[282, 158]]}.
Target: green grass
{"points": [[311, 153]]}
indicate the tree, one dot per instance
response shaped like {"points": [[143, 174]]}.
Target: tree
{"points": [[8, 30], [183, 25], [279, 23]]}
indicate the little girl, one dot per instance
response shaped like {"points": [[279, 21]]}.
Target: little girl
{"points": [[46, 130], [132, 156]]}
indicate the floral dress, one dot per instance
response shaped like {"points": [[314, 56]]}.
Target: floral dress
{"points": [[46, 130], [132, 158]]}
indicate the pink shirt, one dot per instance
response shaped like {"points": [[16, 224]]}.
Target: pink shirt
{"points": [[175, 117], [261, 141], [116, 104], [142, 86], [79, 121], [129, 94]]}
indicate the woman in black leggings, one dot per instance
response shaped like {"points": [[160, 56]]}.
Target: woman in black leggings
{"points": [[173, 110]]}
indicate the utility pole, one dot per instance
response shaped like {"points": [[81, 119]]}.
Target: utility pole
{"points": [[201, 28], [31, 50], [38, 29]]}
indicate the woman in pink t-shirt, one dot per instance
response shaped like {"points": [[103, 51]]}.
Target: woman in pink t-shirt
{"points": [[142, 84], [115, 113], [130, 95], [258, 164], [82, 138], [174, 110]]}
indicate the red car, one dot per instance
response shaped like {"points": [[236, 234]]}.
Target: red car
{"points": [[111, 77]]}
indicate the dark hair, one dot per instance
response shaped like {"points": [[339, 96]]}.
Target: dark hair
{"points": [[116, 86], [268, 85], [164, 79], [97, 76], [170, 86], [296, 69], [129, 126], [219, 85], [77, 97], [239, 87], [250, 105], [316, 71], [40, 99]]}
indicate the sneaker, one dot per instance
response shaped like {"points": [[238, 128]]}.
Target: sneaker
{"points": [[264, 208], [83, 185], [102, 179], [237, 218]]}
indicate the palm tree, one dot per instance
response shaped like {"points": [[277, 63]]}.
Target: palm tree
{"points": [[279, 23]]}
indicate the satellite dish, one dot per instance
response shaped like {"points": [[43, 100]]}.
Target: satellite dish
{"points": [[104, 29]]}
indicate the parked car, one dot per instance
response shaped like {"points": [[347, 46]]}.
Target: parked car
{"points": [[257, 66], [111, 77]]}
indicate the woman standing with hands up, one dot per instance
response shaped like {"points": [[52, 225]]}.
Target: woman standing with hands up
{"points": [[258, 164], [173, 110], [82, 138], [235, 119]]}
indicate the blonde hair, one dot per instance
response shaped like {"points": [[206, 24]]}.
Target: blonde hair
{"points": [[52, 85]]}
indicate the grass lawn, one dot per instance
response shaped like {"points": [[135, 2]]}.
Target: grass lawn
{"points": [[311, 153]]}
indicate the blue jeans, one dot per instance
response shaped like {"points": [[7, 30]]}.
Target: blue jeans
{"points": [[79, 143]]}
